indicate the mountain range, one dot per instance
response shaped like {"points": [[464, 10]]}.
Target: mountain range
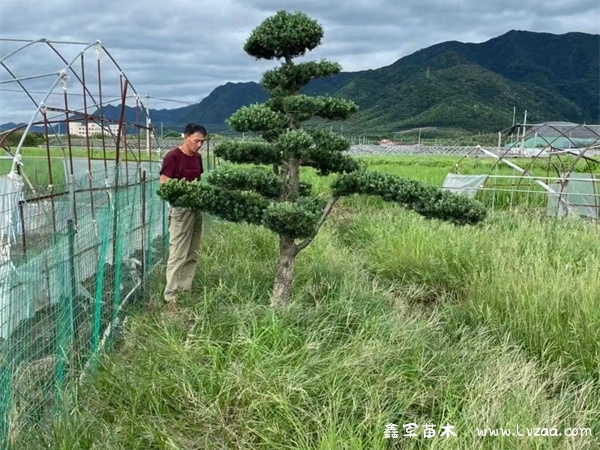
{"points": [[467, 86]]}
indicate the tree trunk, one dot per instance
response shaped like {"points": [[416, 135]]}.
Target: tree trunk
{"points": [[291, 180], [284, 277]]}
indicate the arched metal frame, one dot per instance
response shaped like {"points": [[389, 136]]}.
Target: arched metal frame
{"points": [[562, 160], [75, 93], [73, 255], [91, 98]]}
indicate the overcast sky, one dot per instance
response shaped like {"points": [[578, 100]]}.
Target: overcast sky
{"points": [[182, 49]]}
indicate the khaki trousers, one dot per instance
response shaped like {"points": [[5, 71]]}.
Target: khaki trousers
{"points": [[185, 230]]}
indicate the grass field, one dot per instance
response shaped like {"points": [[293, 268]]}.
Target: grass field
{"points": [[395, 320], [506, 189], [35, 164]]}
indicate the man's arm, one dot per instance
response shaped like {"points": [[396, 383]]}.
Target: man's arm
{"points": [[168, 169]]}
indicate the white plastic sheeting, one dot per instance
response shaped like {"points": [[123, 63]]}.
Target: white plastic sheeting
{"points": [[128, 174], [11, 188], [581, 191], [464, 184], [45, 277]]}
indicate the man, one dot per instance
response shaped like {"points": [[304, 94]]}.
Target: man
{"points": [[185, 224]]}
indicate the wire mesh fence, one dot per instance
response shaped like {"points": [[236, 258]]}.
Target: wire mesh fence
{"points": [[70, 258], [578, 194]]}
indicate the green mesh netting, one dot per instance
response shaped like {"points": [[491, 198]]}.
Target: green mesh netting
{"points": [[71, 257]]}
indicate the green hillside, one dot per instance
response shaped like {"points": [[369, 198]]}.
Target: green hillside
{"points": [[464, 95], [472, 87], [476, 86]]}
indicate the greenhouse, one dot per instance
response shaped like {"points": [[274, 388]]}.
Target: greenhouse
{"points": [[550, 167]]}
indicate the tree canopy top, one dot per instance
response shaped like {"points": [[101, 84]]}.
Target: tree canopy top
{"points": [[284, 35]]}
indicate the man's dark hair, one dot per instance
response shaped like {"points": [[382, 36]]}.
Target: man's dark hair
{"points": [[192, 128]]}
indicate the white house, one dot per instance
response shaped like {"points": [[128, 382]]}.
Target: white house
{"points": [[78, 128]]}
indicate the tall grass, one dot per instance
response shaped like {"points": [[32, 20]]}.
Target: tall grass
{"points": [[394, 319], [534, 278], [506, 189]]}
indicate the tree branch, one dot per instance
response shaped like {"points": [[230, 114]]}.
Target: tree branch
{"points": [[330, 204]]}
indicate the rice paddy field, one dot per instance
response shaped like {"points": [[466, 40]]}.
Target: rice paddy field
{"points": [[403, 333]]}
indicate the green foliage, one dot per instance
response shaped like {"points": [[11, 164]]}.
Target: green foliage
{"points": [[32, 139], [429, 201], [294, 143], [289, 78], [327, 162], [304, 189], [233, 205], [336, 108], [237, 196], [244, 152], [180, 193], [327, 154], [257, 118], [330, 142], [284, 35], [294, 219], [303, 107], [263, 181], [278, 199]]}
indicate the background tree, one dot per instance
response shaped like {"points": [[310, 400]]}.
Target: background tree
{"points": [[32, 139], [172, 134], [271, 193]]}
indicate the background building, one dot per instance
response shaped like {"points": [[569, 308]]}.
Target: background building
{"points": [[78, 128]]}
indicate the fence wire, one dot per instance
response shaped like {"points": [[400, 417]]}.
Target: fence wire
{"points": [[70, 257]]}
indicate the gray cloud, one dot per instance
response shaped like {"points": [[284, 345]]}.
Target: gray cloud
{"points": [[181, 50]]}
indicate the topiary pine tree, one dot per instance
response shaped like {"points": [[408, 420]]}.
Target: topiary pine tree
{"points": [[270, 193]]}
